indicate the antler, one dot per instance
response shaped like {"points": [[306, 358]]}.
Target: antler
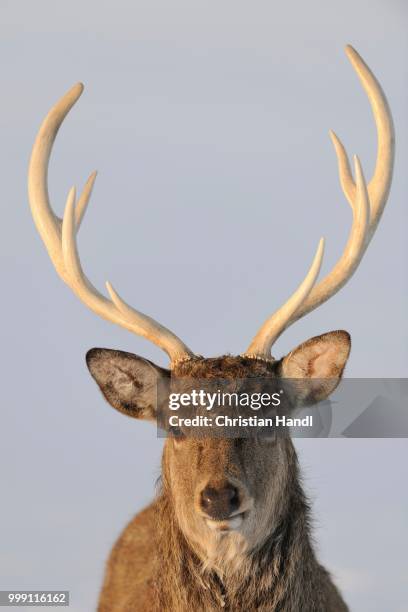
{"points": [[367, 204], [59, 237]]}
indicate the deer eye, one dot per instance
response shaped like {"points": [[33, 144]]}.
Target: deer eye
{"points": [[177, 434]]}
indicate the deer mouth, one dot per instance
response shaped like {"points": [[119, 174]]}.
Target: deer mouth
{"points": [[225, 525]]}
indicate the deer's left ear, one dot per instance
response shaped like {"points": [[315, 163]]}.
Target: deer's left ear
{"points": [[128, 382], [320, 362]]}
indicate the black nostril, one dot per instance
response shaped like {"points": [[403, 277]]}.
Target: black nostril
{"points": [[220, 502], [234, 499]]}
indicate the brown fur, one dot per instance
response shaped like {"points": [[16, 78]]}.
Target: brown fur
{"points": [[154, 567]]}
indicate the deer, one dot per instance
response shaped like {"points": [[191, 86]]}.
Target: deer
{"points": [[229, 528]]}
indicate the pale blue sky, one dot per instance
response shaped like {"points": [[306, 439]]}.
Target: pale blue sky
{"points": [[208, 124]]}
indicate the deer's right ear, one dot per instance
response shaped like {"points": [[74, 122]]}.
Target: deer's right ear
{"points": [[128, 382], [319, 363]]}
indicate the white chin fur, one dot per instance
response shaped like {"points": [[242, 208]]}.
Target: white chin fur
{"points": [[229, 525]]}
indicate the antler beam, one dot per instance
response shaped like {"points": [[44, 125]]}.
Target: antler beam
{"points": [[59, 237], [367, 204]]}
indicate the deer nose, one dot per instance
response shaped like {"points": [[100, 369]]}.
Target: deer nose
{"points": [[219, 502]]}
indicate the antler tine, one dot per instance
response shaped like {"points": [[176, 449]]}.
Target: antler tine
{"points": [[59, 237], [83, 200], [367, 204], [379, 185]]}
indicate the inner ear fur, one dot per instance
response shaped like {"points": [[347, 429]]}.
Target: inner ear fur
{"points": [[128, 382], [317, 365]]}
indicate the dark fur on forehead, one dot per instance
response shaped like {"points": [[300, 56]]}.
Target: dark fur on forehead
{"points": [[226, 366]]}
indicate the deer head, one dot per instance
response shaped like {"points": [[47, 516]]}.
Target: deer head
{"points": [[219, 486]]}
